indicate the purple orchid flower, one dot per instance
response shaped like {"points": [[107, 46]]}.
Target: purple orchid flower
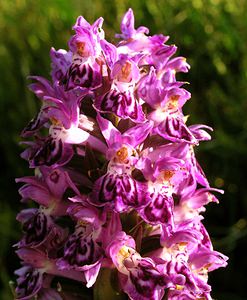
{"points": [[136, 41], [120, 99], [117, 188], [48, 189], [84, 250], [36, 270], [84, 253], [61, 60], [192, 204], [40, 230], [29, 282], [167, 104], [85, 70], [141, 278], [67, 126]]}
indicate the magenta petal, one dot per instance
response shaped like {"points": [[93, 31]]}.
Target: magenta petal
{"points": [[181, 236], [29, 282], [123, 104], [91, 274], [120, 192], [110, 133], [35, 124], [200, 133], [53, 152], [119, 241], [207, 258], [81, 210], [60, 62], [34, 257], [36, 192], [127, 26], [110, 52], [42, 87], [159, 210], [137, 134], [58, 182], [174, 129]]}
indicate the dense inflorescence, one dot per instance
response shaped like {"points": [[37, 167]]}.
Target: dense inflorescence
{"points": [[117, 185]]}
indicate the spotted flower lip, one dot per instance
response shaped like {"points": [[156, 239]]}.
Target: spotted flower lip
{"points": [[40, 230], [84, 250], [119, 192], [37, 267], [122, 103], [61, 61], [85, 71], [117, 188], [29, 282]]}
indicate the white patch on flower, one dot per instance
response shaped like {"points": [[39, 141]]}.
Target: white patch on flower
{"points": [[159, 115], [85, 123], [73, 135]]}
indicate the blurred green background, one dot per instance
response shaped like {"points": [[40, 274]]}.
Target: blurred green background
{"points": [[212, 34]]}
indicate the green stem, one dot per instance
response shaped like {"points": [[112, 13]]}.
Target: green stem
{"points": [[103, 287]]}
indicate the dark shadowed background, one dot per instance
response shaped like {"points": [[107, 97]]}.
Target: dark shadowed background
{"points": [[212, 34]]}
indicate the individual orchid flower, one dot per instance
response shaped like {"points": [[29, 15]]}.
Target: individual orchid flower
{"points": [[29, 282], [120, 98], [36, 273], [63, 110], [141, 278], [84, 250], [85, 70], [47, 189], [117, 188], [67, 126], [162, 175], [61, 60], [40, 229], [169, 121], [191, 205], [136, 41]]}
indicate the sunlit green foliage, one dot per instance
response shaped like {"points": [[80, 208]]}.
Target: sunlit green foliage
{"points": [[212, 34]]}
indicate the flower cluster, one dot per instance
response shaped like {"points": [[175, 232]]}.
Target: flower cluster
{"points": [[117, 185]]}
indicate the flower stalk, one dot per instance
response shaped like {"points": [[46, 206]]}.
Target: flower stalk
{"points": [[117, 192]]}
